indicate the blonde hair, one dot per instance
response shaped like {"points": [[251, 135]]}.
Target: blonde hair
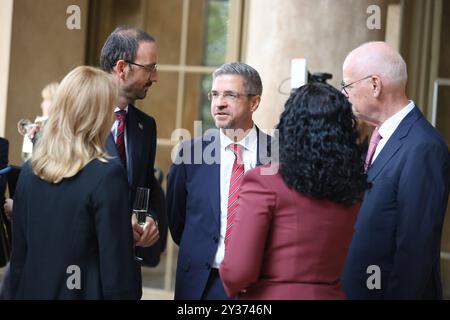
{"points": [[77, 129], [49, 91]]}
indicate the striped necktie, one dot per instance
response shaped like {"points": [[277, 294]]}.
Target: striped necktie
{"points": [[120, 136], [237, 173]]}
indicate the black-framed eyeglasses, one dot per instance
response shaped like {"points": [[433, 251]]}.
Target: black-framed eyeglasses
{"points": [[228, 95], [149, 68], [347, 87]]}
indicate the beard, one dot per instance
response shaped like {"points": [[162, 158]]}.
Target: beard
{"points": [[140, 95], [133, 92]]}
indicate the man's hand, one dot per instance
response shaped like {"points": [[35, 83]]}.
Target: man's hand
{"points": [[137, 229], [146, 235], [8, 206]]}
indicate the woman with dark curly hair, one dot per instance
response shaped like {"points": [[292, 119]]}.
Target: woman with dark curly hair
{"points": [[293, 228]]}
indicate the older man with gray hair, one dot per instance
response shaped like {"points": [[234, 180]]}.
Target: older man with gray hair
{"points": [[395, 251]]}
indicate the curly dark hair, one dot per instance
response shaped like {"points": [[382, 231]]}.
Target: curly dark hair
{"points": [[319, 156]]}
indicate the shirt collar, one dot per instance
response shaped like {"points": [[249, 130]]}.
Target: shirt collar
{"points": [[249, 142], [388, 127], [118, 109]]}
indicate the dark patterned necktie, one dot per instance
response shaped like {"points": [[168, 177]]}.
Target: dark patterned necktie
{"points": [[121, 116]]}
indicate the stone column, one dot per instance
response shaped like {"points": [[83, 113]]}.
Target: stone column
{"points": [[43, 50], [6, 12], [322, 31]]}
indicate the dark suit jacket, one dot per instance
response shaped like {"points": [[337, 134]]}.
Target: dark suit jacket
{"points": [[141, 151], [82, 221], [400, 222], [193, 202], [5, 235], [285, 245], [4, 144]]}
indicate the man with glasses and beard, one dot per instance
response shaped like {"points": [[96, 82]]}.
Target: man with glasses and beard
{"points": [[130, 55]]}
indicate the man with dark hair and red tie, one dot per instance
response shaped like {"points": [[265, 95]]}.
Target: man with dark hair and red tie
{"points": [[130, 55], [395, 250], [202, 196]]}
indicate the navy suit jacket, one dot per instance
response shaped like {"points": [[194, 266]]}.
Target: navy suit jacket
{"points": [[141, 151], [399, 226], [193, 203], [4, 145], [5, 226]]}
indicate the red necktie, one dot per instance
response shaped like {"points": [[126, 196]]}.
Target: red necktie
{"points": [[374, 140], [237, 173], [120, 135]]}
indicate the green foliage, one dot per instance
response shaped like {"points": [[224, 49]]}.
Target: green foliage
{"points": [[216, 31]]}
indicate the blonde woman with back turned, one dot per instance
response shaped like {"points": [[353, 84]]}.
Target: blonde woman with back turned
{"points": [[72, 237]]}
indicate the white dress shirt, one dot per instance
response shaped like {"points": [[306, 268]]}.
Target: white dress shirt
{"points": [[250, 144], [389, 126]]}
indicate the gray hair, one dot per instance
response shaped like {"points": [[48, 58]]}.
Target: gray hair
{"points": [[122, 43], [252, 80]]}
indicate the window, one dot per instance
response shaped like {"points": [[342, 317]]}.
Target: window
{"points": [[194, 37]]}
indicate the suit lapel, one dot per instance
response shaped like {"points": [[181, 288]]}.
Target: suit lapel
{"points": [[211, 174], [262, 141], [135, 140], [394, 144], [383, 158]]}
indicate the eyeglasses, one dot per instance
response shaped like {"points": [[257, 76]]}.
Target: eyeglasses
{"points": [[227, 95], [149, 68], [348, 87]]}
